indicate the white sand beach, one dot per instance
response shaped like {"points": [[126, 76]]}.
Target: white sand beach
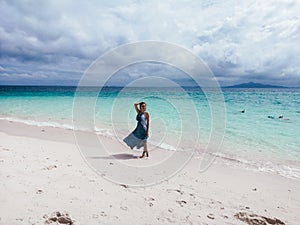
{"points": [[42, 172]]}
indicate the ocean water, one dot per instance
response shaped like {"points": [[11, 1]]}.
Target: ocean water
{"points": [[256, 139]]}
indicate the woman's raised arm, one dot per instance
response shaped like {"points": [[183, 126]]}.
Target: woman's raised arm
{"points": [[136, 108]]}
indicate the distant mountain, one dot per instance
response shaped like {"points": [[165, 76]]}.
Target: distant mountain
{"points": [[254, 85]]}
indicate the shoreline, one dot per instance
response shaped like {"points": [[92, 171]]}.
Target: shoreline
{"points": [[282, 167], [44, 172]]}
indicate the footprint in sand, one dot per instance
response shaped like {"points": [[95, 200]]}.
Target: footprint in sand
{"points": [[95, 216], [58, 218], [150, 201], [103, 213], [253, 219], [50, 167], [181, 203], [176, 190], [124, 208], [211, 216], [39, 191]]}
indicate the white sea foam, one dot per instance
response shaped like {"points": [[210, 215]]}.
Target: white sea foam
{"points": [[164, 146], [291, 172], [38, 123], [105, 132]]}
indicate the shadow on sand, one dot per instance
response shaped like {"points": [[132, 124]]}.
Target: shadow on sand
{"points": [[121, 156]]}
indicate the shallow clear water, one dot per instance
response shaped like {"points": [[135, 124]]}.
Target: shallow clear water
{"points": [[251, 139]]}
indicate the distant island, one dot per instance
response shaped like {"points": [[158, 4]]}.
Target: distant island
{"points": [[254, 85]]}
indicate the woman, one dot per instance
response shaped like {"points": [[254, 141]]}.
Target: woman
{"points": [[138, 137]]}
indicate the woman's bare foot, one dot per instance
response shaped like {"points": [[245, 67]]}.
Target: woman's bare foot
{"points": [[145, 154]]}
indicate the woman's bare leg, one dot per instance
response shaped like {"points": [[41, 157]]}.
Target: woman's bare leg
{"points": [[145, 152], [146, 149]]}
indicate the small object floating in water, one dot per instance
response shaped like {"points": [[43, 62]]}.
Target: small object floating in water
{"points": [[281, 117], [243, 111]]}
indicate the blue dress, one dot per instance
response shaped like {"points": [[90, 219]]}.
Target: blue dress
{"points": [[138, 137]]}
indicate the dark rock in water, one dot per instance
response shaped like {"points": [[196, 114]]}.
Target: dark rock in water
{"points": [[253, 219]]}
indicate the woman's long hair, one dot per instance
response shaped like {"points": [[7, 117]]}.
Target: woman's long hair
{"points": [[141, 103]]}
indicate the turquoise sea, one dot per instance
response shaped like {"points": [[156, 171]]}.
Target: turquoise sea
{"points": [[256, 139]]}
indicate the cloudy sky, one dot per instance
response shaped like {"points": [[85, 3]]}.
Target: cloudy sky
{"points": [[54, 42]]}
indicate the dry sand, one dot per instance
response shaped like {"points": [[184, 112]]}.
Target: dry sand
{"points": [[42, 172]]}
